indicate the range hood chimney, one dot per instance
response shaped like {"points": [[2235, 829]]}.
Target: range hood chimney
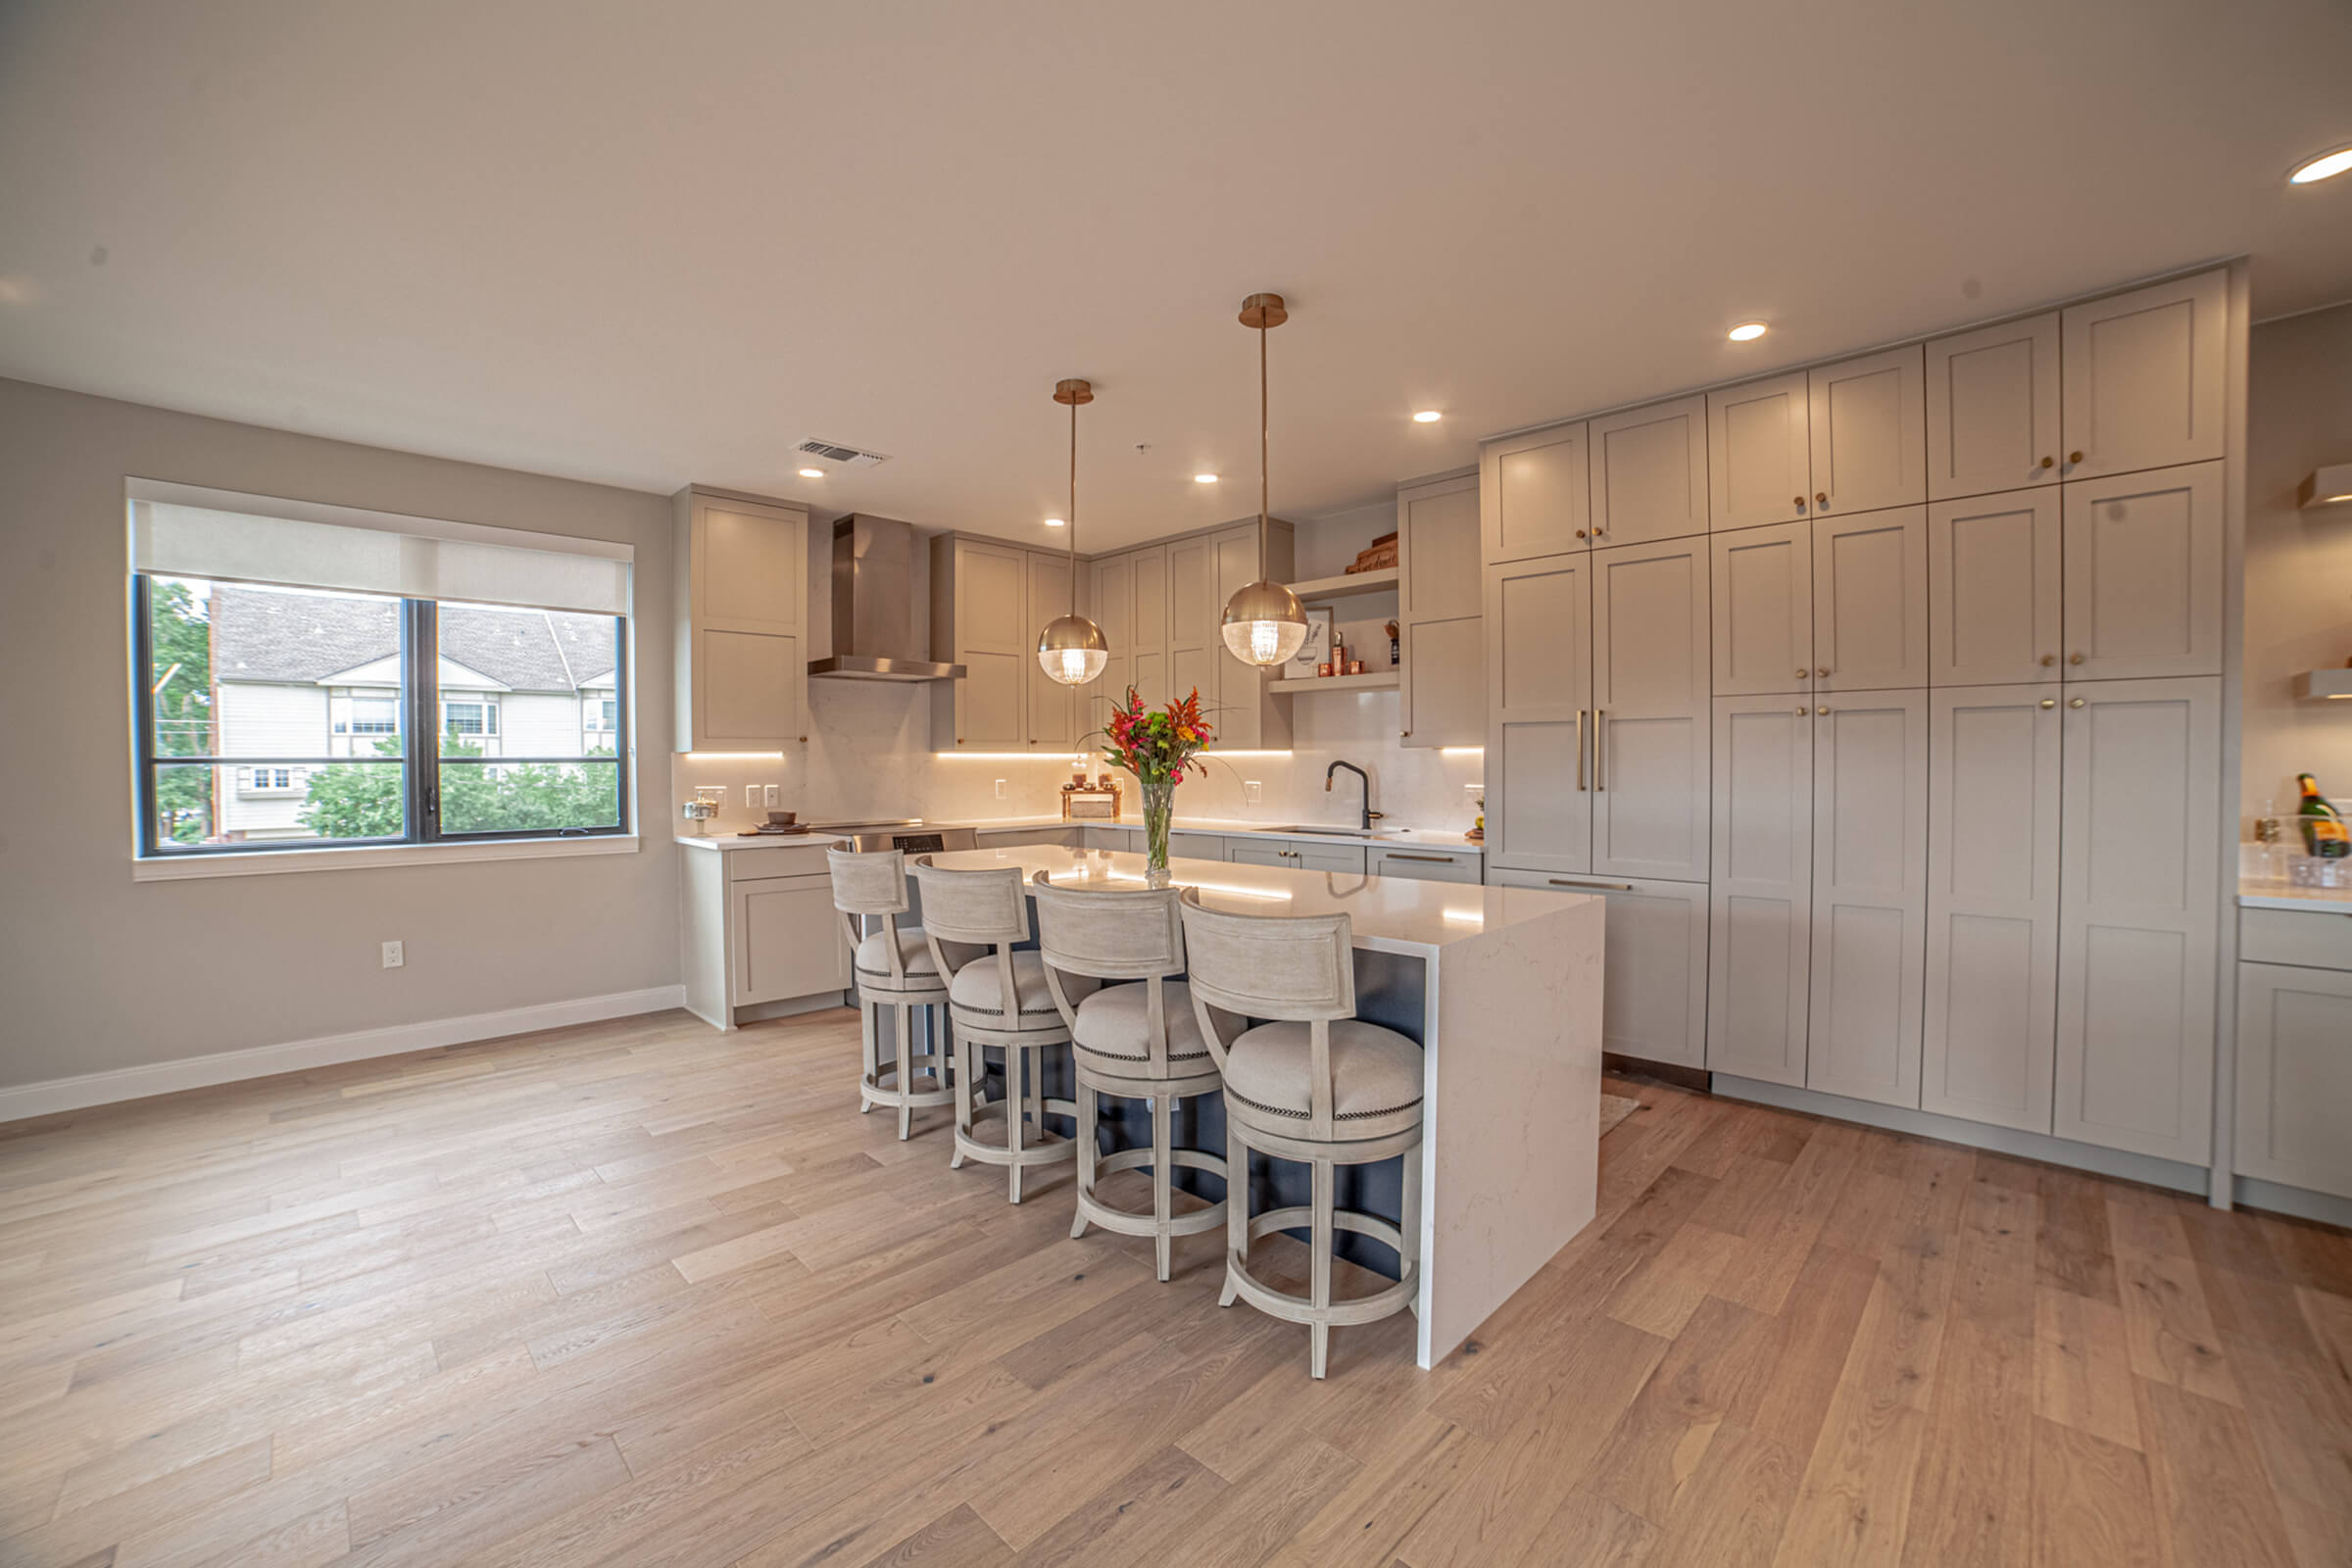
{"points": [[873, 607]]}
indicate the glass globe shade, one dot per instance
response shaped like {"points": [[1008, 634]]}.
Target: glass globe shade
{"points": [[1265, 625], [1072, 650]]}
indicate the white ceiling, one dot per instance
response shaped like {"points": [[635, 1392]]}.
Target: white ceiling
{"points": [[652, 244]]}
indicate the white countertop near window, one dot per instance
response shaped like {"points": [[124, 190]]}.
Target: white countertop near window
{"points": [[1378, 838], [2286, 896]]}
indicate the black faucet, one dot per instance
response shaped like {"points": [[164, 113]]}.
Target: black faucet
{"points": [[1370, 815]]}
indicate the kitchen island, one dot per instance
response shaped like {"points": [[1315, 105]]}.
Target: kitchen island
{"points": [[1501, 987]]}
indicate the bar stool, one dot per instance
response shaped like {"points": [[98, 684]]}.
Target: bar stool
{"points": [[995, 998], [894, 968], [1140, 1041], [1317, 1085]]}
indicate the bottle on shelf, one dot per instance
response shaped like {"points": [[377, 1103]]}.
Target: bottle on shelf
{"points": [[2324, 835]]}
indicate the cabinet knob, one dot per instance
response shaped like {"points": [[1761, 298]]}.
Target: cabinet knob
{"points": [[2049, 463], [1800, 503], [1822, 496], [2048, 659], [1800, 673], [2049, 702], [1823, 712], [1800, 713], [2073, 701], [1580, 533], [2074, 457], [2074, 659], [1823, 671], [1598, 532]]}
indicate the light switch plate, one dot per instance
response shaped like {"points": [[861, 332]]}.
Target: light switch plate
{"points": [[1253, 793], [750, 795], [394, 955], [1000, 789], [773, 799]]}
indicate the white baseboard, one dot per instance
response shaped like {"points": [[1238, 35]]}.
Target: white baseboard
{"points": [[262, 1061]]}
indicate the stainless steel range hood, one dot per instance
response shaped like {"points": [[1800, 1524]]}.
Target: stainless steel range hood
{"points": [[874, 613]]}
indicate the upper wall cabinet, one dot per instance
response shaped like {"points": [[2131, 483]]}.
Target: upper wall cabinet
{"points": [[2146, 383], [1114, 579], [1053, 714], [1539, 669], [1763, 611], [1444, 701], [1992, 409], [1870, 600], [1203, 571], [1868, 426], [1131, 605], [1759, 453], [1650, 472], [741, 611], [979, 620], [2143, 575], [1534, 494]]}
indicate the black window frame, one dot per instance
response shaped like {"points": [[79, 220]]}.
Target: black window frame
{"points": [[419, 702]]}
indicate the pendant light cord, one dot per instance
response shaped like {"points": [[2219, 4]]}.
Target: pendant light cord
{"points": [[1073, 506], [1261, 440]]}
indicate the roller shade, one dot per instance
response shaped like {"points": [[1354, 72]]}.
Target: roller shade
{"points": [[184, 531]]}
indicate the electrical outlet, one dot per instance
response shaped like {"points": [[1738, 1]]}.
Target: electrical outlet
{"points": [[773, 799], [1000, 789], [394, 957], [750, 795], [1252, 792]]}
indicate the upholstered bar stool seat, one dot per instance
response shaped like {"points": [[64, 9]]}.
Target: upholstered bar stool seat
{"points": [[1138, 1041], [1317, 1085], [894, 968], [998, 997]]}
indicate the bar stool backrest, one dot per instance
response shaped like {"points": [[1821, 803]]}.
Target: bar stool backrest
{"points": [[1113, 934], [984, 909], [1287, 967], [872, 886]]}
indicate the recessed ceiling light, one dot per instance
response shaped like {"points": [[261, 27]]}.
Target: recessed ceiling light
{"points": [[2321, 166], [1747, 331], [1427, 417], [1055, 522], [812, 473], [1205, 478]]}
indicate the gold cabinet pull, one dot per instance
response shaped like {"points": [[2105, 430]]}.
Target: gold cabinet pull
{"points": [[1601, 737], [2048, 659], [1580, 747], [1604, 886], [2049, 702], [1822, 671], [2049, 463], [1821, 713], [1822, 497], [2075, 703], [2074, 659], [2074, 457], [1800, 503]]}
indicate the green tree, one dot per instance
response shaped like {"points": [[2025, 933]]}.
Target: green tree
{"points": [[363, 801], [179, 639]]}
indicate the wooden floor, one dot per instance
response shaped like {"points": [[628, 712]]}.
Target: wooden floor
{"points": [[639, 1293]]}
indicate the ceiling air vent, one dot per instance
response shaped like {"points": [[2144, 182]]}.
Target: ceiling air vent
{"points": [[835, 452]]}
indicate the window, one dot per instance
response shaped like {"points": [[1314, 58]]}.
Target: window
{"points": [[276, 713]]}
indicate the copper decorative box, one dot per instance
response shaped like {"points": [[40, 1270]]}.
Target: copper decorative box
{"points": [[1090, 804]]}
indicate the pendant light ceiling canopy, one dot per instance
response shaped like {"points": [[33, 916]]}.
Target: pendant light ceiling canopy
{"points": [[1263, 623], [1073, 648]]}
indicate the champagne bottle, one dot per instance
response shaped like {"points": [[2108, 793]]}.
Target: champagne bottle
{"points": [[2324, 832]]}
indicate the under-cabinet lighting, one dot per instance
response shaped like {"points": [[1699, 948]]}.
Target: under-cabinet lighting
{"points": [[1462, 751], [1427, 417], [1205, 478], [2325, 487], [2323, 166], [1056, 522], [812, 473], [734, 756], [1748, 331]]}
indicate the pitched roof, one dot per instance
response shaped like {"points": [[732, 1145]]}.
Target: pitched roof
{"points": [[260, 635]]}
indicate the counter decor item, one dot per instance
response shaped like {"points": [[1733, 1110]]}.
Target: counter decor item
{"points": [[1316, 650], [2325, 836], [1157, 746], [1379, 556], [700, 811], [1097, 801]]}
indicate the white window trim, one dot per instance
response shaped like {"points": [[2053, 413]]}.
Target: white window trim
{"points": [[367, 856]]}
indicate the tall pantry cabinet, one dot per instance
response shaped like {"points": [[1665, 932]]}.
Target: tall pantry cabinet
{"points": [[1957, 617]]}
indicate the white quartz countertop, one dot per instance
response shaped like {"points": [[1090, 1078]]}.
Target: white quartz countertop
{"points": [[1381, 837], [1390, 914], [2286, 896]]}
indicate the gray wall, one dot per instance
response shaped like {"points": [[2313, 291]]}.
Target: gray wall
{"points": [[98, 973], [2298, 564]]}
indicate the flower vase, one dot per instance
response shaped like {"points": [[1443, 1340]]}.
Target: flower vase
{"points": [[1159, 810]]}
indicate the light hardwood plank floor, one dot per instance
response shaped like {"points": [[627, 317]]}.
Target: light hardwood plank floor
{"points": [[639, 1292]]}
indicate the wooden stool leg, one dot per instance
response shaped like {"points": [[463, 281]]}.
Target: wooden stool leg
{"points": [[903, 1016], [1163, 1140], [1409, 1256], [1086, 1153], [1014, 1094], [1237, 1210], [870, 1050], [1320, 1240], [963, 1094]]}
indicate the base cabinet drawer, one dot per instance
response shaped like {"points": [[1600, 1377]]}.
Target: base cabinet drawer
{"points": [[2315, 938], [1427, 865], [788, 940], [799, 860], [1194, 846], [1653, 982], [1344, 859], [2294, 1075], [1068, 838], [1127, 839]]}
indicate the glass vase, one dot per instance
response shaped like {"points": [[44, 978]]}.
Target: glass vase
{"points": [[1159, 810]]}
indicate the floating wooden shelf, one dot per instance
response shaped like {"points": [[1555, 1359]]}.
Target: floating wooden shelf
{"points": [[2311, 683], [1375, 680], [1380, 581]]}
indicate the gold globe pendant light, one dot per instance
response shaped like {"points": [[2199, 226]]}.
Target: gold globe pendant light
{"points": [[1263, 623], [1073, 648]]}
